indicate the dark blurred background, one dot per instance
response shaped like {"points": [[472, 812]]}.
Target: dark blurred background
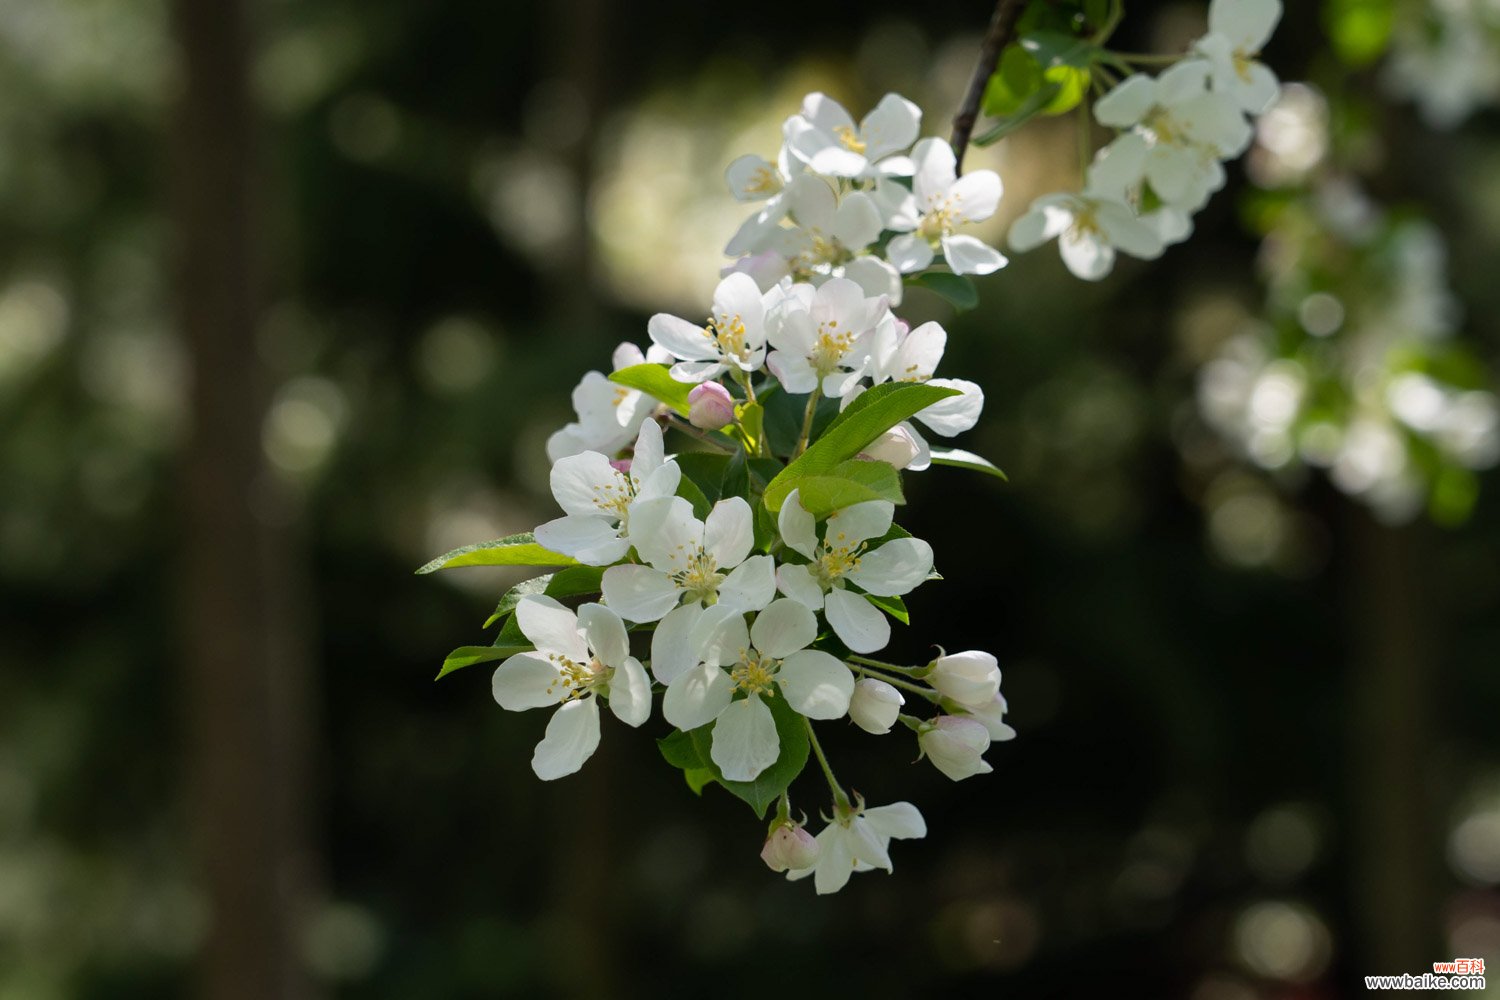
{"points": [[291, 294]]}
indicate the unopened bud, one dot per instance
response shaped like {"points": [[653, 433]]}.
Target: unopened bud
{"points": [[971, 678], [954, 745], [789, 847], [875, 705], [710, 407]]}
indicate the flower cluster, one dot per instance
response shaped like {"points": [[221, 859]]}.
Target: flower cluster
{"points": [[728, 495], [860, 202], [1445, 56], [1173, 133]]}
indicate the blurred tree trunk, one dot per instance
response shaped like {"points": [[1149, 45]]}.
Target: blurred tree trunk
{"points": [[245, 662], [1395, 849]]}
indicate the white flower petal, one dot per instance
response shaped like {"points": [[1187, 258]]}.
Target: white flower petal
{"points": [[584, 484], [835, 861], [857, 223], [971, 255], [955, 414], [684, 340], [859, 522], [1086, 255], [1246, 23], [937, 169], [898, 821], [605, 634], [784, 627], [672, 649], [797, 526], [1128, 103], [909, 253], [649, 452], [697, 697], [893, 125], [816, 684], [662, 529], [526, 680], [752, 178], [551, 627], [976, 195], [798, 583], [859, 624], [751, 585], [639, 593], [630, 692], [590, 539], [729, 532], [745, 742], [572, 737], [895, 568], [721, 635]]}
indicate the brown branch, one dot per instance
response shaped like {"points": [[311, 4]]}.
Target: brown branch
{"points": [[1000, 33]]}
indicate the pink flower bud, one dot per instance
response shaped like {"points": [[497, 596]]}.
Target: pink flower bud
{"points": [[789, 847], [620, 465], [710, 407], [971, 678]]}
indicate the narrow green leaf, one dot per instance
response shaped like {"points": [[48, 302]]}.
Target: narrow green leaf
{"points": [[848, 483], [1033, 107], [655, 381], [957, 289], [893, 606], [871, 415], [513, 550], [960, 459], [467, 656]]}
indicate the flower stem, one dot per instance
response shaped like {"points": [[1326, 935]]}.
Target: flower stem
{"points": [[807, 419], [882, 665], [840, 800], [907, 685], [1001, 32], [1145, 58], [688, 429]]}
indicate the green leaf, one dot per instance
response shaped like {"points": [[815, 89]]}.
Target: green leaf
{"points": [[848, 483], [698, 778], [750, 419], [655, 381], [783, 421], [957, 289], [1072, 84], [512, 597], [467, 656], [706, 470], [1360, 29], [1014, 81], [1058, 48], [1033, 107], [893, 606], [872, 414], [690, 751], [690, 491], [960, 459], [513, 550]]}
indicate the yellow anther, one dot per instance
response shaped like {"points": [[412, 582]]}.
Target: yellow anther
{"points": [[849, 139]]}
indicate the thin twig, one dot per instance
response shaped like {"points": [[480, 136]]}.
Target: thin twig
{"points": [[1000, 33]]}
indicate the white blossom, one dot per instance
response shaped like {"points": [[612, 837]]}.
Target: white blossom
{"points": [[770, 658], [822, 336], [1089, 229], [938, 203], [824, 137], [597, 497], [734, 338], [848, 554], [1237, 30], [578, 659], [690, 564], [858, 840], [609, 415]]}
